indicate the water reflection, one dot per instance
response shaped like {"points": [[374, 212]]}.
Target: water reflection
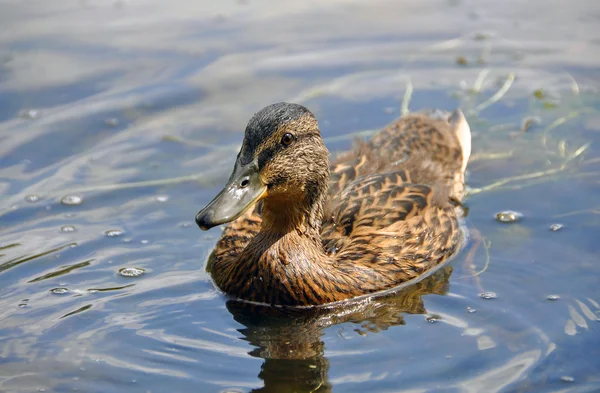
{"points": [[290, 340]]}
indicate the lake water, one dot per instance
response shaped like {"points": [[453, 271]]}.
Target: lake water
{"points": [[120, 119]]}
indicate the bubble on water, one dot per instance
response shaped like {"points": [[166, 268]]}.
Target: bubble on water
{"points": [[552, 298], [162, 198], [488, 295], [471, 310], [29, 114], [131, 272], [32, 198], [114, 232], [434, 318], [111, 122], [72, 200], [567, 378], [144, 241], [556, 227], [127, 240], [59, 290], [68, 228], [509, 216]]}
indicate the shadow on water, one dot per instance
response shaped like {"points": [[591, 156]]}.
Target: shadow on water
{"points": [[290, 340]]}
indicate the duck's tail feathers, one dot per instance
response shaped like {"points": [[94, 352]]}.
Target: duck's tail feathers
{"points": [[461, 129]]}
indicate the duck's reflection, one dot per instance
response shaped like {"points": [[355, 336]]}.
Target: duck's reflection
{"points": [[289, 340]]}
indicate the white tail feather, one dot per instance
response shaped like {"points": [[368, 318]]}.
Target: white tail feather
{"points": [[463, 132]]}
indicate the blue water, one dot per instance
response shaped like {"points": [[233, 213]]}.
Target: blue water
{"points": [[138, 108]]}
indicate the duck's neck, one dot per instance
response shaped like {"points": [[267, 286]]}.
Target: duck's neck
{"points": [[299, 211]]}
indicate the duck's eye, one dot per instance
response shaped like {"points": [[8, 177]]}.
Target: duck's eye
{"points": [[287, 139]]}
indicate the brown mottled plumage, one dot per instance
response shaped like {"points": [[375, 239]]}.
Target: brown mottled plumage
{"points": [[386, 214]]}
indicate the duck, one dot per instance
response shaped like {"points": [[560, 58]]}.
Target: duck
{"points": [[304, 232]]}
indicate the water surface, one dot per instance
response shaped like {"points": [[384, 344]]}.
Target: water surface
{"points": [[119, 120]]}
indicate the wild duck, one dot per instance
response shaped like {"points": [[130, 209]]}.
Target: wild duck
{"points": [[303, 232]]}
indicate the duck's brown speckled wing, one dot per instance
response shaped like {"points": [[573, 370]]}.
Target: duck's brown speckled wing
{"points": [[397, 228], [430, 146]]}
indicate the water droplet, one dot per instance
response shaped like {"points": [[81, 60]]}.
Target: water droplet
{"points": [[114, 232], [552, 298], [488, 295], [509, 216], [567, 378], [71, 200], [111, 122], [68, 228], [29, 114], [59, 291], [433, 318], [162, 198], [144, 241], [131, 272], [32, 198], [471, 310], [556, 227]]}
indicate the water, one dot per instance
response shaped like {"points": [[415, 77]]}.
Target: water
{"points": [[134, 111]]}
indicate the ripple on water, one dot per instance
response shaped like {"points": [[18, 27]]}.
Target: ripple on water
{"points": [[509, 216], [72, 200], [131, 271], [59, 290], [114, 232]]}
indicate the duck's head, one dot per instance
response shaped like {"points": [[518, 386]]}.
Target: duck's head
{"points": [[282, 160]]}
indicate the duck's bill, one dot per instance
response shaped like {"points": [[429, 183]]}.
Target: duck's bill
{"points": [[242, 191]]}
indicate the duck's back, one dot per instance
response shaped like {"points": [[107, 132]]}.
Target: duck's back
{"points": [[393, 200], [430, 147]]}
